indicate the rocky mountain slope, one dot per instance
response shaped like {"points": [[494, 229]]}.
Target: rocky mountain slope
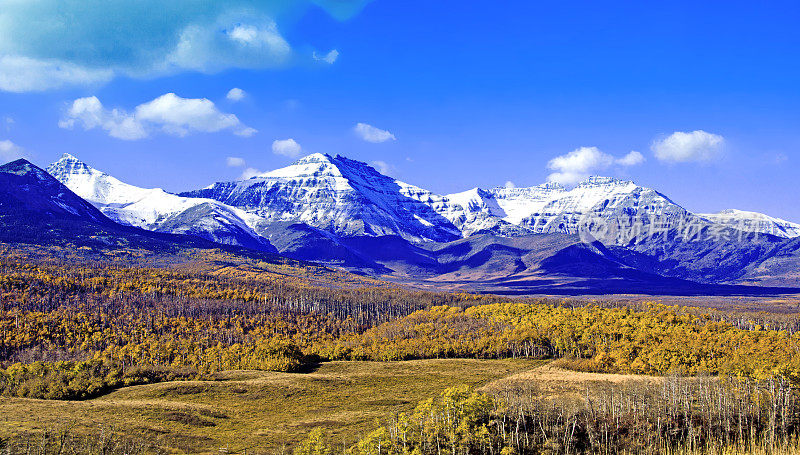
{"points": [[340, 195]]}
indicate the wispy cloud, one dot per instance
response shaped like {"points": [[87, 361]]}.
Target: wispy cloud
{"points": [[384, 168], [780, 158], [7, 122], [247, 172], [20, 74], [580, 163], [328, 58], [371, 134], [168, 113], [682, 147]]}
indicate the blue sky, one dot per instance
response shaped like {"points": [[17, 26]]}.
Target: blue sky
{"points": [[458, 94]]}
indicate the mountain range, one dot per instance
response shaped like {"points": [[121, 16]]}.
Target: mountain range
{"points": [[603, 233]]}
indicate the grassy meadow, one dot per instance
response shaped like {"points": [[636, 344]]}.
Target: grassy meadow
{"points": [[260, 411]]}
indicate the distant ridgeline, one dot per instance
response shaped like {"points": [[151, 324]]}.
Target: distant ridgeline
{"points": [[602, 233]]}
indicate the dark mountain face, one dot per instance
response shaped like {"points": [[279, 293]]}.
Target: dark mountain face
{"points": [[29, 192]]}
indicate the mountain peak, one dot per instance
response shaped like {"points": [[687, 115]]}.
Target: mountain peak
{"points": [[69, 165], [68, 157], [315, 158], [23, 167], [26, 187], [597, 180]]}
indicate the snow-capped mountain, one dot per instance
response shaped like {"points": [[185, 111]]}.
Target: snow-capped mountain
{"points": [[350, 198], [340, 195], [754, 222], [338, 210], [613, 211], [155, 209]]}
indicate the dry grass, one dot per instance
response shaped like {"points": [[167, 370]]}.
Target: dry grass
{"points": [[553, 382], [264, 412]]}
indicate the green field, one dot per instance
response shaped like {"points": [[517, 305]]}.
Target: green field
{"points": [[263, 412]]}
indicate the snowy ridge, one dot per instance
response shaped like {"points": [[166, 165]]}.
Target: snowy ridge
{"points": [[754, 222], [349, 198], [153, 208]]}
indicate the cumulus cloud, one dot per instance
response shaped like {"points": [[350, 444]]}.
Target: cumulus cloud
{"points": [[180, 116], [681, 147], [328, 58], [371, 134], [10, 151], [286, 147], [236, 94], [89, 113], [383, 167], [631, 159], [233, 161], [580, 163], [510, 185], [38, 48], [168, 113]]}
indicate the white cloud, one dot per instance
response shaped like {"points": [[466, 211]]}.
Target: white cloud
{"points": [[577, 165], [371, 134], [229, 43], [38, 49], [247, 172], [681, 147], [180, 116], [90, 113], [10, 151], [286, 147], [383, 167], [631, 159], [509, 184], [580, 163], [169, 113], [236, 94], [24, 74], [328, 58]]}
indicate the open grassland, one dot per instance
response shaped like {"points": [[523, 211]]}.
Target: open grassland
{"points": [[550, 381], [264, 412]]}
